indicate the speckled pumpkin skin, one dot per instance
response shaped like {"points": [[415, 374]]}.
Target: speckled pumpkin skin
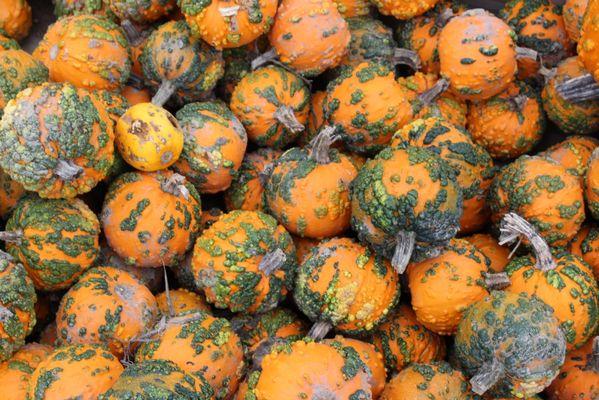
{"points": [[142, 11], [303, 247], [586, 246], [106, 306], [353, 8], [193, 68], [573, 14], [8, 43], [18, 70], [114, 103], [157, 380], [542, 192], [577, 378], [574, 153], [296, 177], [444, 286], [15, 18], [17, 300], [434, 380], [251, 20], [366, 106], [147, 225], [589, 39], [403, 340], [406, 188], [309, 36], [280, 323], [502, 128], [79, 132], [63, 8], [497, 255], [153, 278], [258, 96], [540, 26], [213, 147], [472, 163], [591, 185], [181, 301], [310, 370], [315, 119], [486, 62], [16, 371], [200, 345], [573, 118], [10, 193], [370, 40], [336, 282], [59, 240], [514, 322], [227, 255], [88, 51], [77, 371], [404, 9]]}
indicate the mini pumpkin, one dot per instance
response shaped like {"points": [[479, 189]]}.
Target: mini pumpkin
{"points": [[591, 184], [586, 246], [403, 340], [573, 14], [178, 301], [227, 24], [573, 153], [214, 145], [370, 40], [404, 9], [10, 193], [498, 255], [62, 156], [55, 239], [18, 70], [334, 288], [508, 124], [15, 18], [16, 371], [244, 262], [63, 8], [141, 11], [202, 346], [106, 306], [92, 367], [542, 192], [273, 105], [394, 197]]}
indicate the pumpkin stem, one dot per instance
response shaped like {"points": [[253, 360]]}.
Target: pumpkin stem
{"points": [[286, 116], [175, 185], [264, 175], [514, 228], [496, 281], [547, 73], [487, 377], [525, 52], [164, 92], [132, 34], [519, 101], [404, 245], [319, 330], [595, 354], [67, 170], [264, 58], [579, 89], [407, 57], [167, 291], [272, 261], [12, 236], [444, 17], [320, 145], [430, 95]]}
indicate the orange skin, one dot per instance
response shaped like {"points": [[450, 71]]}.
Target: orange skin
{"points": [[574, 153], [10, 193], [589, 39], [86, 51], [506, 132], [230, 31], [573, 14], [327, 213], [15, 18], [586, 247], [404, 340], [17, 66], [444, 286], [14, 375], [317, 371], [428, 381], [404, 9], [353, 8], [257, 113], [85, 307], [577, 379], [488, 245], [209, 217], [591, 185], [181, 300], [303, 247], [242, 391], [316, 118], [472, 74], [78, 372], [140, 244], [144, 13], [310, 36], [135, 96], [219, 360], [371, 357]]}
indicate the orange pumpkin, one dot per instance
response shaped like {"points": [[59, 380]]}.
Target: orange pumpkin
{"points": [[18, 70], [586, 246], [16, 371], [178, 301], [106, 306], [404, 9], [589, 36], [574, 153], [403, 340], [273, 106], [159, 212], [227, 24], [508, 124], [591, 184], [573, 14], [15, 18], [10, 193], [142, 12], [135, 95], [88, 51], [498, 255]]}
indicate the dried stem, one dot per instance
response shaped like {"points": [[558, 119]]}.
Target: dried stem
{"points": [[272, 261], [576, 90], [67, 170], [429, 96], [407, 57], [488, 375], [319, 330], [519, 101], [175, 185], [164, 92], [286, 116], [496, 281], [11, 236], [264, 58], [404, 246], [525, 52], [320, 145]]}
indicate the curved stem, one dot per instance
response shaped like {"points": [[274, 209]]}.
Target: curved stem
{"points": [[319, 330], [11, 236], [264, 58], [547, 73], [286, 116], [525, 52], [175, 185], [579, 89], [67, 170], [496, 281], [430, 95], [519, 101], [132, 34], [164, 92], [488, 375], [513, 228], [320, 145], [407, 57], [404, 246], [272, 261]]}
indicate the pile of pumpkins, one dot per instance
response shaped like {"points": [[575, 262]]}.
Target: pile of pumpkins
{"points": [[300, 200]]}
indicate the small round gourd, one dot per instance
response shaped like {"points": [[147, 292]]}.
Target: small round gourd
{"points": [[498, 255], [141, 11], [586, 246], [591, 185], [16, 371], [18, 70], [175, 302], [370, 40], [15, 18], [574, 153]]}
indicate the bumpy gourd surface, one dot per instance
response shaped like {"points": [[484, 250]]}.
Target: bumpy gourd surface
{"points": [[578, 379], [11, 192], [591, 184], [589, 39], [404, 9], [179, 301], [353, 8], [63, 8], [370, 39], [573, 14], [16, 371], [142, 11], [586, 246], [8, 43], [18, 70], [574, 153], [498, 255]]}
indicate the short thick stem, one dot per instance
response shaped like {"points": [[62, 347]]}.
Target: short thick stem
{"points": [[175, 185], [576, 90], [67, 170], [488, 375], [404, 246], [519, 101], [430, 95], [165, 91], [407, 57], [496, 281], [320, 146], [319, 330], [11, 236], [525, 52], [286, 116], [272, 261], [264, 58]]}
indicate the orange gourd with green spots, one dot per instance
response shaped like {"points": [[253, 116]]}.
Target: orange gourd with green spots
{"points": [[141, 11], [18, 70], [16, 371], [574, 153], [573, 14], [498, 255], [579, 376], [589, 39], [179, 301], [586, 246]]}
